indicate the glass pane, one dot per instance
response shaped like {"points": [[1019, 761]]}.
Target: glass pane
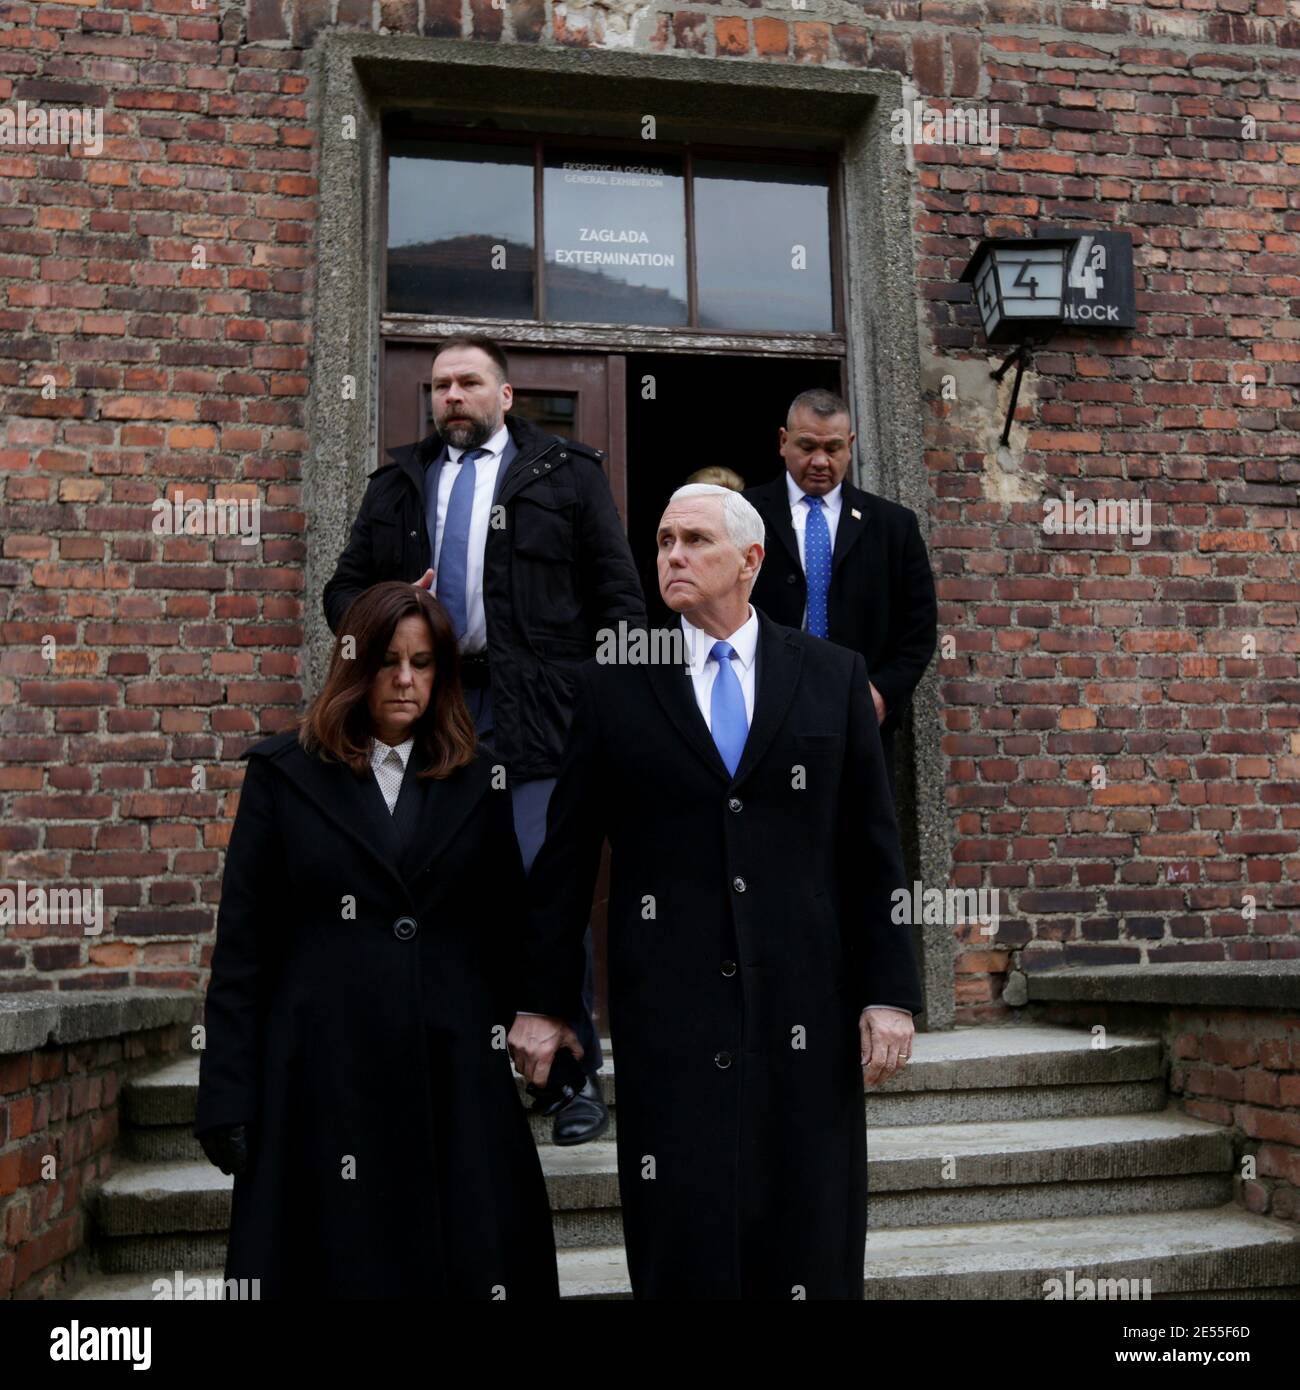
{"points": [[460, 230], [763, 246], [615, 240], [556, 414]]}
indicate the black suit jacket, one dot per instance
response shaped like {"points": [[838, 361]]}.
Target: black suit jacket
{"points": [[881, 601]]}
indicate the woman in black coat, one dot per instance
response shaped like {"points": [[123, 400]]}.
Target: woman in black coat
{"points": [[355, 1076]]}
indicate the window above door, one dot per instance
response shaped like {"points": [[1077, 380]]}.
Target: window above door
{"points": [[551, 231]]}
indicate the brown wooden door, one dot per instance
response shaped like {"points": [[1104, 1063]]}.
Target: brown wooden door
{"points": [[579, 395]]}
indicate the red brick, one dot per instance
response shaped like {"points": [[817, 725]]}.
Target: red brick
{"points": [[731, 37], [771, 37]]}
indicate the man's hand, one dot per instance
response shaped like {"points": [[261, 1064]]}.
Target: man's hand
{"points": [[879, 702], [886, 1036], [533, 1042], [425, 581]]}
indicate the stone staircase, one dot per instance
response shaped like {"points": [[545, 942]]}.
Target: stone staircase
{"points": [[1002, 1158]]}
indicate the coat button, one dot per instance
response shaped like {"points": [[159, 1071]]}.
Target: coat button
{"points": [[562, 458], [722, 1060], [413, 534], [738, 884], [735, 804], [728, 968], [792, 579], [405, 928]]}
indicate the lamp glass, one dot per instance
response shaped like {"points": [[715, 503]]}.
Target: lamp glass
{"points": [[1031, 281]]}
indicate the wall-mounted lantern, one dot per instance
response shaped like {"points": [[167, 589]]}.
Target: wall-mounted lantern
{"points": [[1019, 288]]}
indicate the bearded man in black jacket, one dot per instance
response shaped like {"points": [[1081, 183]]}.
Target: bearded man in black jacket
{"points": [[516, 532]]}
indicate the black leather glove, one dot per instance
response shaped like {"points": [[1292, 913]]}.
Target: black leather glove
{"points": [[227, 1147]]}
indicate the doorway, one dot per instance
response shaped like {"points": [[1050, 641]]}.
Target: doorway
{"points": [[685, 412], [657, 417]]}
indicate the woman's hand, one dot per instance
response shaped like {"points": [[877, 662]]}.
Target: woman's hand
{"points": [[227, 1147]]}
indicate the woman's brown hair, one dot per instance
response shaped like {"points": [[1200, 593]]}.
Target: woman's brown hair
{"points": [[337, 725]]}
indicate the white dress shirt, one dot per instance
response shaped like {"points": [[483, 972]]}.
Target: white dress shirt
{"points": [[833, 500], [485, 486], [389, 766], [704, 671]]}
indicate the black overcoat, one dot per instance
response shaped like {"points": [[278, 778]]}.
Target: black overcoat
{"points": [[881, 601], [749, 924], [555, 574], [392, 1156]]}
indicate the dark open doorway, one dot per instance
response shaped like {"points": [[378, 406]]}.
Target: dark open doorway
{"points": [[687, 412]]}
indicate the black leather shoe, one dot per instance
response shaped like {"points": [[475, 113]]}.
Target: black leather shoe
{"points": [[583, 1118]]}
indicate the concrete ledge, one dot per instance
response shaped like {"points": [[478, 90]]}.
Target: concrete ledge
{"points": [[1253, 984], [31, 1021]]}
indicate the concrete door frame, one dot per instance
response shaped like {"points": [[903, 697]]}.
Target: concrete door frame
{"points": [[355, 77]]}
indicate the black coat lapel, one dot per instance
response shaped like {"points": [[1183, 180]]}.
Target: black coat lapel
{"points": [[775, 509], [346, 801], [777, 677], [380, 826], [439, 808], [672, 686], [851, 527]]}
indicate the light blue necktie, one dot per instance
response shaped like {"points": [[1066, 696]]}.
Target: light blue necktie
{"points": [[727, 719], [453, 558], [817, 563]]}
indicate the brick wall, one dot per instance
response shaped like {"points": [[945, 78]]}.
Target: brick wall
{"points": [[1238, 1067], [171, 653], [1242, 1068], [60, 1103]]}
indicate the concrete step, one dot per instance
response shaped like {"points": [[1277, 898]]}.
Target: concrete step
{"points": [[1020, 1072], [969, 1074], [939, 1174], [140, 1286], [1221, 1253], [922, 1176], [172, 1143], [1186, 1254], [160, 1111]]}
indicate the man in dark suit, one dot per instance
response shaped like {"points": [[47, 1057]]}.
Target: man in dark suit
{"points": [[531, 563], [844, 564], [755, 968]]}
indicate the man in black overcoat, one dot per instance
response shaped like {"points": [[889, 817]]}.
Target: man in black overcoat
{"points": [[754, 969], [876, 593]]}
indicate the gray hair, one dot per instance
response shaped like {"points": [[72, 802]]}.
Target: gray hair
{"points": [[823, 404], [744, 525]]}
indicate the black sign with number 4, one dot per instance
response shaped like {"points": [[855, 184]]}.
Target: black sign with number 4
{"points": [[1099, 287]]}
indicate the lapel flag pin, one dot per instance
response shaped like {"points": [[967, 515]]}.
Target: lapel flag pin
{"points": [[856, 515]]}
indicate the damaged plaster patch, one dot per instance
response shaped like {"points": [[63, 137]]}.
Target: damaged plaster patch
{"points": [[608, 23], [977, 410]]}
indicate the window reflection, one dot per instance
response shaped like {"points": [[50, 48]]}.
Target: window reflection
{"points": [[762, 246], [460, 229], [615, 239]]}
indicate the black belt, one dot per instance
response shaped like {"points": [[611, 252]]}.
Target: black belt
{"points": [[474, 670]]}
